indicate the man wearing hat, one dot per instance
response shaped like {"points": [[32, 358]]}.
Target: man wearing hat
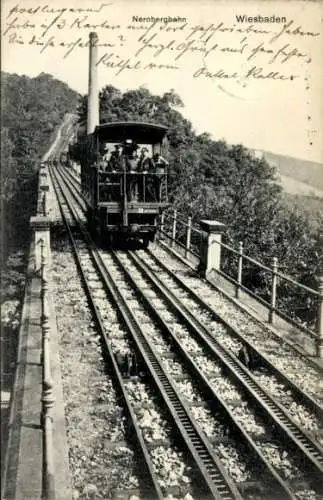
{"points": [[145, 162], [131, 157], [129, 147], [106, 153], [159, 167], [102, 158], [115, 161]]}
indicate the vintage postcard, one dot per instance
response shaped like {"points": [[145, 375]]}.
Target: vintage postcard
{"points": [[162, 276], [248, 72]]}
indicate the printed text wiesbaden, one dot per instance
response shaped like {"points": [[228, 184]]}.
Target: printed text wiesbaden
{"points": [[260, 19]]}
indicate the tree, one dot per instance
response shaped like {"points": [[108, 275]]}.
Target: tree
{"points": [[32, 108], [211, 179]]}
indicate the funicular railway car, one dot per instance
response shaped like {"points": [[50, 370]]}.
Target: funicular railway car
{"points": [[124, 197]]}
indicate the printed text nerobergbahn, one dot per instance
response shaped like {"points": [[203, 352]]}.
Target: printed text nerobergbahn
{"points": [[152, 19]]}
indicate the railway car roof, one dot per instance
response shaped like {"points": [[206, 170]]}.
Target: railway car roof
{"points": [[142, 133]]}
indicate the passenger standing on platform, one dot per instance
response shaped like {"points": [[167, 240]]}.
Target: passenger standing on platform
{"points": [[145, 162], [106, 156], [159, 166], [101, 164], [129, 148], [145, 182], [160, 163], [132, 162], [115, 160], [132, 168]]}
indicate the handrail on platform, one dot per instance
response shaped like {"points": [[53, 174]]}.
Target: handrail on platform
{"points": [[168, 227]]}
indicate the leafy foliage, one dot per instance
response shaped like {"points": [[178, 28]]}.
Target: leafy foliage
{"points": [[211, 179], [32, 108]]}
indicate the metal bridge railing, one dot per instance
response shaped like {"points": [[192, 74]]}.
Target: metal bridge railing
{"points": [[186, 236]]}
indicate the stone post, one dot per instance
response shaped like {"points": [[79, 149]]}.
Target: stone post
{"points": [[210, 248], [44, 189], [41, 228], [43, 174]]}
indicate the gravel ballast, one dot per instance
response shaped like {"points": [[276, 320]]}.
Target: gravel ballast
{"points": [[100, 461], [287, 360]]}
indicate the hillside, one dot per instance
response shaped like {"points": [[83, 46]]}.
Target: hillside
{"points": [[31, 109], [296, 174], [292, 186]]}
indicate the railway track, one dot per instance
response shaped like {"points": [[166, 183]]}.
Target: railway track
{"points": [[285, 492], [257, 400], [299, 441], [298, 438], [183, 283], [273, 349], [227, 335], [155, 270], [217, 484], [76, 238]]}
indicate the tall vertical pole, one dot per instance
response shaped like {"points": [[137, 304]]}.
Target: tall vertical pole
{"points": [[319, 339], [174, 227], [188, 236], [162, 224], [272, 310], [93, 96], [239, 278]]}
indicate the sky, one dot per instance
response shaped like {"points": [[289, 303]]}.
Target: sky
{"points": [[242, 80]]}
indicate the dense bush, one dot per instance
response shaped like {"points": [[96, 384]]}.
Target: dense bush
{"points": [[32, 108], [211, 179]]}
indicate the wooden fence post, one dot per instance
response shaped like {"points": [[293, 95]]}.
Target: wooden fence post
{"points": [[272, 313], [239, 277]]}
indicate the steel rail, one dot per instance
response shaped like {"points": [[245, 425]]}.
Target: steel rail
{"points": [[277, 477], [210, 467], [71, 177], [155, 489], [277, 483], [296, 437], [255, 388], [208, 463], [304, 397], [173, 253]]}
